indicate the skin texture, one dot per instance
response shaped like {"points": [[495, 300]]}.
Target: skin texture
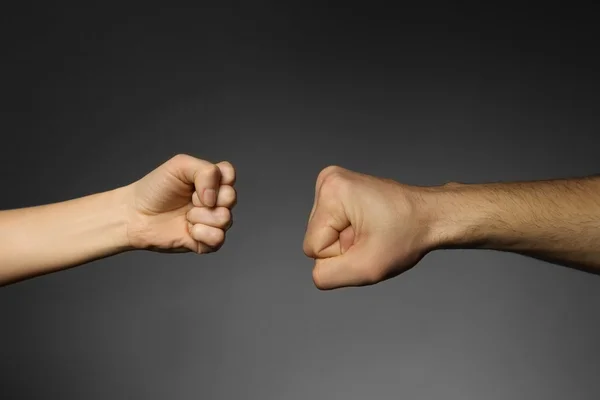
{"points": [[184, 205], [363, 230]]}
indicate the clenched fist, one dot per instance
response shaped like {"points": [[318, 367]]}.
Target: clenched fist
{"points": [[363, 229], [183, 205]]}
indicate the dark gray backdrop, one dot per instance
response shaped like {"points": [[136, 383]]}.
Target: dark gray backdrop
{"points": [[94, 98]]}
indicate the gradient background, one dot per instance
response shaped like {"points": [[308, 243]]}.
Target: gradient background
{"points": [[95, 98]]}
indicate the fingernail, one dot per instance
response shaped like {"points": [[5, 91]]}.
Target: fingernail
{"points": [[210, 197]]}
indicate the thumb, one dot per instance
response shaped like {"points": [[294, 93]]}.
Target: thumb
{"points": [[355, 267], [204, 175], [323, 231]]}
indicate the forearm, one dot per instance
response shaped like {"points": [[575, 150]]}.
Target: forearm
{"points": [[557, 220], [44, 239]]}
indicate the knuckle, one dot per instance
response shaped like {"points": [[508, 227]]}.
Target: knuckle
{"points": [[307, 247], [331, 169], [332, 177], [211, 171], [190, 214], [196, 200], [217, 236], [230, 171], [317, 279], [327, 172], [219, 240], [196, 231], [224, 218], [335, 186], [230, 195], [180, 158], [372, 276], [224, 214], [227, 166]]}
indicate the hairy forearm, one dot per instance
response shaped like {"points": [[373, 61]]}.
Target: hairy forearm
{"points": [[555, 220], [48, 238]]}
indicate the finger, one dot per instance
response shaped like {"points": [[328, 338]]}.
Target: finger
{"points": [[211, 236], [325, 174], [320, 242], [219, 217], [227, 197], [207, 185], [318, 184], [315, 201], [196, 200], [353, 268], [228, 174], [346, 239], [204, 175], [201, 248], [340, 246], [323, 232]]}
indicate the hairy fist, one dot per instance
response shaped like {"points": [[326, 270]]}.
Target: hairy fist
{"points": [[363, 229], [183, 205]]}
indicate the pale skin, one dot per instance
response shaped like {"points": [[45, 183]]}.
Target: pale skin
{"points": [[363, 230], [184, 205]]}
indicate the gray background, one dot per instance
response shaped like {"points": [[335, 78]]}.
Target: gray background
{"points": [[93, 99]]}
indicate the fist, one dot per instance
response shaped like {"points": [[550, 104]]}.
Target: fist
{"points": [[363, 229], [183, 205]]}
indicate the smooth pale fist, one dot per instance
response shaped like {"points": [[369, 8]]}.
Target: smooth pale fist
{"points": [[210, 216], [183, 205]]}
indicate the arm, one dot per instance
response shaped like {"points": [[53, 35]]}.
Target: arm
{"points": [[363, 229], [48, 238], [555, 220], [184, 205]]}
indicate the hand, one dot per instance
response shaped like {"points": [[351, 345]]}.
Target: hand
{"points": [[183, 205], [363, 229]]}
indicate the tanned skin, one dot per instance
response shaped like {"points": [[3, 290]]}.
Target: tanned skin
{"points": [[364, 229]]}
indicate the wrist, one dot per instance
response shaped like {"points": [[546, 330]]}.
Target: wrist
{"points": [[453, 216], [138, 233], [114, 210], [118, 204]]}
